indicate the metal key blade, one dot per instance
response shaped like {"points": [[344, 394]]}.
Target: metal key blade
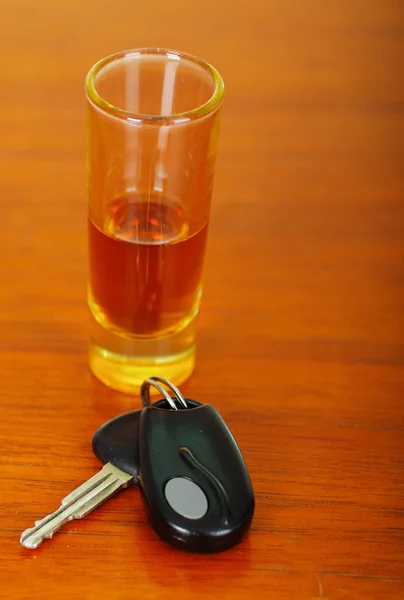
{"points": [[78, 504]]}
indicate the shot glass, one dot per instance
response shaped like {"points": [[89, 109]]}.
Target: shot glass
{"points": [[152, 131]]}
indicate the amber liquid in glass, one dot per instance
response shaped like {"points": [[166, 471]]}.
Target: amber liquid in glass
{"points": [[145, 268]]}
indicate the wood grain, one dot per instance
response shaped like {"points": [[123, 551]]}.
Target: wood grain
{"points": [[301, 343]]}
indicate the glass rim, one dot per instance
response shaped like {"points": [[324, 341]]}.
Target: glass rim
{"points": [[212, 104]]}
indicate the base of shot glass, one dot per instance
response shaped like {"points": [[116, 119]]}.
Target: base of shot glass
{"points": [[125, 363]]}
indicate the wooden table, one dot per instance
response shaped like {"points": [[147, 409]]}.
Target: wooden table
{"points": [[301, 332]]}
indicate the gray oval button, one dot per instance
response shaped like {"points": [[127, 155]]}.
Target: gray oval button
{"points": [[186, 498]]}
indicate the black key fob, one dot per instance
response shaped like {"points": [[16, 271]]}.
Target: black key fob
{"points": [[195, 485], [116, 443]]}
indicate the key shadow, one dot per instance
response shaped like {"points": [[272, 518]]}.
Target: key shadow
{"points": [[167, 566]]}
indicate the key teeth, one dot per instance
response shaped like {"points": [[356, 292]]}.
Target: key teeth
{"points": [[77, 504]]}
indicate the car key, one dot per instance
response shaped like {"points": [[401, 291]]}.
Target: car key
{"points": [[194, 482], [195, 485], [115, 444]]}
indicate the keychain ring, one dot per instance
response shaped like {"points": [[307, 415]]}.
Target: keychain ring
{"points": [[155, 382]]}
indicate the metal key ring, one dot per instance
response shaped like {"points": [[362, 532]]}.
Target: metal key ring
{"points": [[155, 382]]}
